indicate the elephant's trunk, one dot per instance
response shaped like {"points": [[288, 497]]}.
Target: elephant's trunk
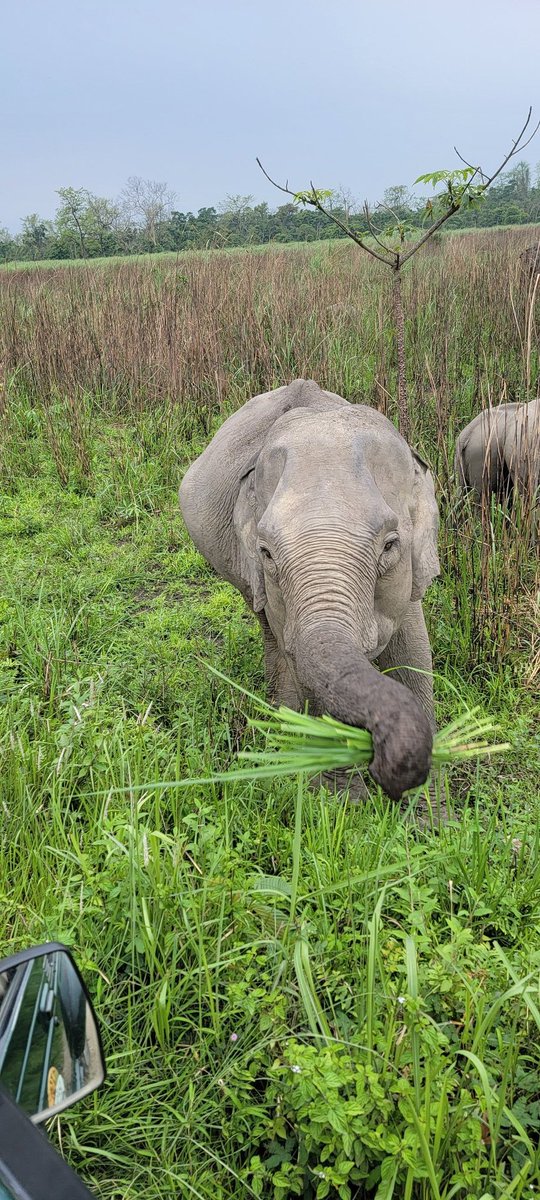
{"points": [[341, 681]]}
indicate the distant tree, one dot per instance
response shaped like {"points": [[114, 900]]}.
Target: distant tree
{"points": [[185, 231], [511, 214], [148, 203], [205, 228], [519, 181], [8, 246], [35, 237], [343, 199], [283, 223], [101, 220], [398, 198], [261, 223], [178, 229], [236, 223], [70, 219]]}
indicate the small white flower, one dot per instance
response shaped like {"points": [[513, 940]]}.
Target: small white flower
{"points": [[401, 999], [296, 1070]]}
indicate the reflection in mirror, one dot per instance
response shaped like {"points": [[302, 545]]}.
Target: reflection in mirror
{"points": [[50, 1053]]}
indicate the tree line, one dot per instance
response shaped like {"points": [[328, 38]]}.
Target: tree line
{"points": [[144, 219]]}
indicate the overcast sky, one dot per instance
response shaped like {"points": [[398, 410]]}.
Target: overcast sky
{"points": [[345, 92]]}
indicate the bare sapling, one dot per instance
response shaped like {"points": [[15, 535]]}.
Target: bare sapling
{"points": [[395, 243]]}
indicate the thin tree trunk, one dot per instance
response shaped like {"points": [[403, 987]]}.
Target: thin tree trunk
{"points": [[403, 406], [529, 321]]}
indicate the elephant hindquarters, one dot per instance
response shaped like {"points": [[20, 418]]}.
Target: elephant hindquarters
{"points": [[482, 460]]}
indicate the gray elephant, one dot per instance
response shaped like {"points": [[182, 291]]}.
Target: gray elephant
{"points": [[326, 522], [499, 452], [529, 260]]}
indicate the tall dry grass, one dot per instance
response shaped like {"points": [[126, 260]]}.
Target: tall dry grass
{"points": [[198, 335], [206, 330]]}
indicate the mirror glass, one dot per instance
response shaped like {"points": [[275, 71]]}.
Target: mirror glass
{"points": [[50, 1053]]}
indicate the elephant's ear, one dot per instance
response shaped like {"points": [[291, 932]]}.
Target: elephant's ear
{"points": [[210, 488], [248, 564], [425, 514]]}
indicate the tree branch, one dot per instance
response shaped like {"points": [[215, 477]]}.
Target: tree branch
{"points": [[386, 208], [454, 208], [279, 186], [517, 147], [477, 170], [374, 233], [316, 203], [350, 232], [393, 258]]}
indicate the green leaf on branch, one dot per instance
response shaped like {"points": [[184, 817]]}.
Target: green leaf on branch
{"points": [[313, 196], [458, 190], [453, 177], [456, 194]]}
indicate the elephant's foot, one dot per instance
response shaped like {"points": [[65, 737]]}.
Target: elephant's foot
{"points": [[428, 810]]}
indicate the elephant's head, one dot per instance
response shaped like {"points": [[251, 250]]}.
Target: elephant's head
{"points": [[330, 532]]}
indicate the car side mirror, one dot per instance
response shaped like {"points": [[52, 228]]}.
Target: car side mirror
{"points": [[50, 1047]]}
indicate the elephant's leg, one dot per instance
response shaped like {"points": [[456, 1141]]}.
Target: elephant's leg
{"points": [[409, 647], [282, 687]]}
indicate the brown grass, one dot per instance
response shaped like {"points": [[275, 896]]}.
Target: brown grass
{"points": [[208, 331]]}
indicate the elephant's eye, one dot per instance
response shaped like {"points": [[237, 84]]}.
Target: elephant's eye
{"points": [[389, 556], [267, 557]]}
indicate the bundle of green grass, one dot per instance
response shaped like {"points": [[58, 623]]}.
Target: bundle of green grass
{"points": [[298, 743]]}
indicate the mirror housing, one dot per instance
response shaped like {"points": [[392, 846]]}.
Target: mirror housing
{"points": [[50, 1047]]}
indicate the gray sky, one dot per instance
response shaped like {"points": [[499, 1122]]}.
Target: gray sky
{"points": [[362, 94]]}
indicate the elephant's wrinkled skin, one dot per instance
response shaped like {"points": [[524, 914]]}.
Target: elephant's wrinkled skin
{"points": [[323, 518], [499, 452]]}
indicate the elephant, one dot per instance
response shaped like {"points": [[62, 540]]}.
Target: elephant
{"points": [[529, 260], [499, 452], [325, 520]]}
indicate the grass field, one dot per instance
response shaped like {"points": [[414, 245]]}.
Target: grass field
{"points": [[160, 256], [299, 996]]}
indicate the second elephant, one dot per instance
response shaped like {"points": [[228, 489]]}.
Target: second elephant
{"points": [[499, 452]]}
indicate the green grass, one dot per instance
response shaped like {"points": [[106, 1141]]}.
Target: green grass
{"points": [[165, 256], [298, 995]]}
